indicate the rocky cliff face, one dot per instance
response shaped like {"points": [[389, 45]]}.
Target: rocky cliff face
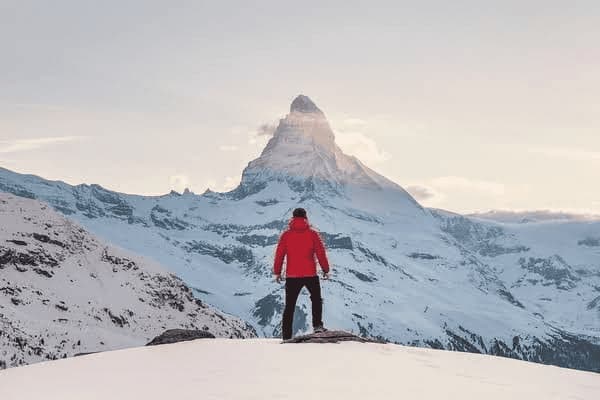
{"points": [[63, 291]]}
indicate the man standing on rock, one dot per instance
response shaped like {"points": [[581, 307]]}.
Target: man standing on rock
{"points": [[300, 244]]}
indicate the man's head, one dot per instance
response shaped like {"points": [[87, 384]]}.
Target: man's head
{"points": [[299, 213]]}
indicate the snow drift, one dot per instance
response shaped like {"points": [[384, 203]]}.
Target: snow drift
{"points": [[217, 369]]}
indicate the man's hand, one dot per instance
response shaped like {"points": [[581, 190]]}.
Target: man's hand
{"points": [[278, 278], [325, 276]]}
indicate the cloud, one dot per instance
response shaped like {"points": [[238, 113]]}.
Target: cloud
{"points": [[229, 183], [421, 192], [179, 182], [354, 122], [383, 124], [537, 215], [566, 153], [20, 145], [262, 134], [361, 146], [228, 147], [468, 184], [266, 130], [436, 191]]}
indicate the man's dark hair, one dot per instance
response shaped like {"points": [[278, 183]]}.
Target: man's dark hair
{"points": [[300, 213]]}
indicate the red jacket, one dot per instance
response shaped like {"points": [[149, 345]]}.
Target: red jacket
{"points": [[300, 244]]}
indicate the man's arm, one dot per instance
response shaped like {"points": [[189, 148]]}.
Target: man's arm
{"points": [[279, 255], [321, 253]]}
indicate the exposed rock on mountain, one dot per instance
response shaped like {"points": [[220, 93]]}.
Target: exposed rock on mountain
{"points": [[63, 291], [330, 337], [180, 335]]}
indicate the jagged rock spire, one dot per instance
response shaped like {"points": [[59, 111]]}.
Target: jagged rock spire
{"points": [[304, 104], [303, 147]]}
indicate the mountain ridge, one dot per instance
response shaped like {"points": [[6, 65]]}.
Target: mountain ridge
{"points": [[63, 291]]}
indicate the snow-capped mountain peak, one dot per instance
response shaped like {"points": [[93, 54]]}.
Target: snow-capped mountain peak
{"points": [[305, 129], [303, 148]]}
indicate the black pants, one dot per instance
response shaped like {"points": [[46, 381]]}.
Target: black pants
{"points": [[293, 286]]}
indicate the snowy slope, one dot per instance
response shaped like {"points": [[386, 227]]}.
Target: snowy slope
{"points": [[266, 369], [400, 271], [63, 291]]}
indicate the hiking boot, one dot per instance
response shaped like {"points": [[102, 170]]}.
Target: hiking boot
{"points": [[320, 329]]}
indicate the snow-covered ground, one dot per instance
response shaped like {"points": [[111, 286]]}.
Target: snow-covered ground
{"points": [[264, 369]]}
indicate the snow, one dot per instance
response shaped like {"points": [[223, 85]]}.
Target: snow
{"points": [[265, 369]]}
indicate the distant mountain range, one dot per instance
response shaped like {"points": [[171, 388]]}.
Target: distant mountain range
{"points": [[523, 217], [401, 272]]}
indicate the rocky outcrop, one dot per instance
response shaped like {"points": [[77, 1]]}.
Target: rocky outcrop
{"points": [[304, 104], [331, 337], [180, 335]]}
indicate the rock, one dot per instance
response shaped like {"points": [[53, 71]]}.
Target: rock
{"points": [[331, 337], [180, 335], [304, 104], [17, 242], [85, 354]]}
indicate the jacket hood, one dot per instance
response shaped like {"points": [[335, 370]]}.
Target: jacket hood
{"points": [[299, 224]]}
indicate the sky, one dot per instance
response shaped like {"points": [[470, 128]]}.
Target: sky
{"points": [[470, 105]]}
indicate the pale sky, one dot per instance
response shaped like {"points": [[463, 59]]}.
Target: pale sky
{"points": [[471, 105]]}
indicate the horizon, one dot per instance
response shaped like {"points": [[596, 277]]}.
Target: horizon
{"points": [[480, 109], [544, 213]]}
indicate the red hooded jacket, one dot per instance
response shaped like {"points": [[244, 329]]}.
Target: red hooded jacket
{"points": [[300, 244]]}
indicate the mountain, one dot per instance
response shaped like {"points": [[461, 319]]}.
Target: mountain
{"points": [[266, 369], [523, 217], [303, 151], [401, 272], [63, 291]]}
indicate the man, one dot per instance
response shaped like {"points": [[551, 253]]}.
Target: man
{"points": [[300, 244]]}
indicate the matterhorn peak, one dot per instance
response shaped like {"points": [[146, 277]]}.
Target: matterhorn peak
{"points": [[304, 104], [303, 153]]}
